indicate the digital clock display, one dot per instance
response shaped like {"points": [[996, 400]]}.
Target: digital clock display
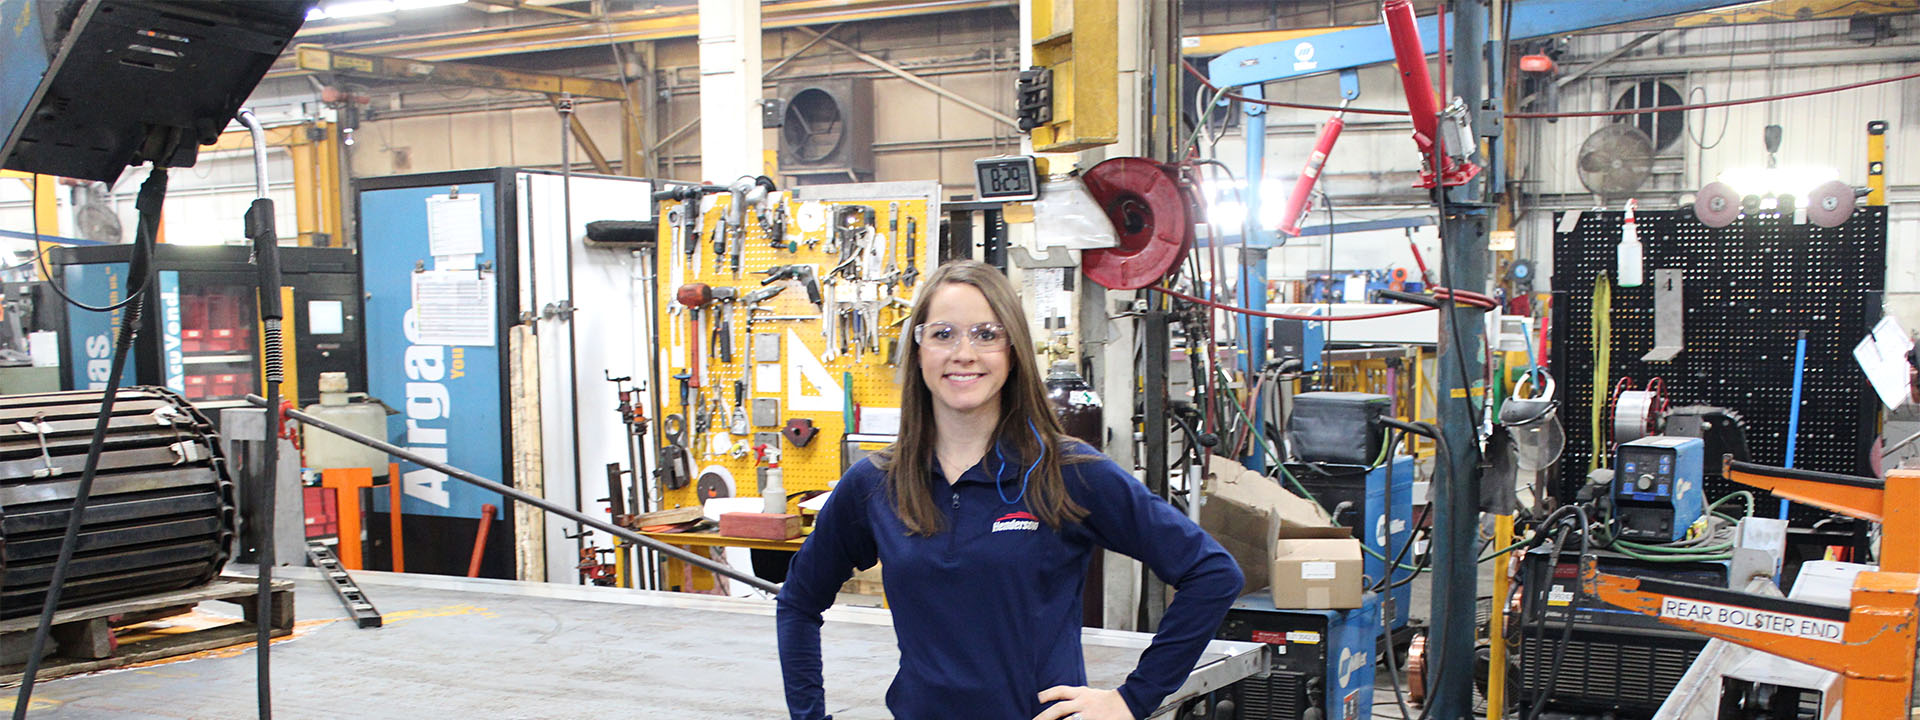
{"points": [[1006, 178]]}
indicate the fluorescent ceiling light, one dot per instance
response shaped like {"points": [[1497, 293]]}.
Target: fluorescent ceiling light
{"points": [[1798, 181], [368, 23], [358, 8], [363, 8]]}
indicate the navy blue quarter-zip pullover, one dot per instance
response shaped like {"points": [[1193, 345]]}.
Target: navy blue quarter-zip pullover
{"points": [[987, 612]]}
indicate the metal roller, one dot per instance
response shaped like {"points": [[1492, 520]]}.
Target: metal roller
{"points": [[1717, 205], [1831, 204], [162, 513]]}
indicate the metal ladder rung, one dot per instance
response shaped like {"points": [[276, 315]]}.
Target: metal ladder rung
{"points": [[355, 601]]}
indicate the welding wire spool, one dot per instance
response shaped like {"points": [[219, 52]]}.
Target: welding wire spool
{"points": [[1149, 213], [1717, 205], [1635, 415], [161, 514], [1830, 204], [1417, 669]]}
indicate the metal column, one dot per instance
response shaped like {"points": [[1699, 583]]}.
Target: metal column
{"points": [[731, 139], [1158, 334], [1457, 488]]}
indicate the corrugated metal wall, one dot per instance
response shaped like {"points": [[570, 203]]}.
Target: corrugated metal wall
{"points": [[1821, 130]]}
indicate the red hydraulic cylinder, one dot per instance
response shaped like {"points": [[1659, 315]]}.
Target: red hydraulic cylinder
{"points": [[1421, 105], [1296, 208]]}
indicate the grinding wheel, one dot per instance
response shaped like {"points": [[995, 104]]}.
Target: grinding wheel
{"points": [[1149, 213], [712, 485], [1717, 205], [1830, 204]]}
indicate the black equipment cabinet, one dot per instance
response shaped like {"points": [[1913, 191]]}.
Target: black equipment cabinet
{"points": [[201, 335]]}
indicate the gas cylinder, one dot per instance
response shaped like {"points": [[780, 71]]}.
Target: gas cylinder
{"points": [[1075, 403]]}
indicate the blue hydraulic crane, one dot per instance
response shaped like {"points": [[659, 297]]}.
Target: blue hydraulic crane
{"points": [[1465, 209]]}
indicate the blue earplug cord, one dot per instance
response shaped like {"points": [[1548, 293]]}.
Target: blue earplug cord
{"points": [[1038, 440]]}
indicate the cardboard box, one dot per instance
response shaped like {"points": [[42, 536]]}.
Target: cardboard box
{"points": [[764, 526], [1316, 573], [1281, 540]]}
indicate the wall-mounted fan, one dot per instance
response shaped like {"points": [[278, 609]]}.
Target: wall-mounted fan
{"points": [[1615, 160]]}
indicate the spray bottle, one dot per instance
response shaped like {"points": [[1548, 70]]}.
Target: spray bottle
{"points": [[1630, 272]]}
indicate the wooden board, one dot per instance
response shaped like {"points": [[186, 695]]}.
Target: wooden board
{"points": [[154, 647]]}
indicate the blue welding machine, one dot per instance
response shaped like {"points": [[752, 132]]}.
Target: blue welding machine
{"points": [[1320, 662], [1657, 485]]}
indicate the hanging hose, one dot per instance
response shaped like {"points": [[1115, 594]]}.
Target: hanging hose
{"points": [[266, 258], [152, 193]]}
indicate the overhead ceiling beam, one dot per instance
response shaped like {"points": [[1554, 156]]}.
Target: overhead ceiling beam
{"points": [[318, 59], [962, 100], [521, 5], [1564, 80], [795, 55], [653, 24]]}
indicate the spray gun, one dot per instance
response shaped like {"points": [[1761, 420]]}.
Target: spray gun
{"points": [[748, 192], [690, 212], [804, 274]]}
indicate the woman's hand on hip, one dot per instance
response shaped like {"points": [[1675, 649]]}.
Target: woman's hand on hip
{"points": [[1084, 703]]}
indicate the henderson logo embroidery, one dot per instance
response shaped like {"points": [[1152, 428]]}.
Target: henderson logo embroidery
{"points": [[1017, 521]]}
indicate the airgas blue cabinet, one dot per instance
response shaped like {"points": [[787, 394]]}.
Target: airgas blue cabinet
{"points": [[452, 262]]}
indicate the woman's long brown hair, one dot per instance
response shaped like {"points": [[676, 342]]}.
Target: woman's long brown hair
{"points": [[908, 463]]}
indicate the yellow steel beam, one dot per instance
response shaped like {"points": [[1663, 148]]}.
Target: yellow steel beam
{"points": [[1209, 45], [652, 24], [518, 5], [1079, 40], [46, 210], [320, 59], [1774, 11], [316, 176], [1794, 10]]}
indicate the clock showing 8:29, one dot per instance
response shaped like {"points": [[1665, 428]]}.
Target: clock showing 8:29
{"points": [[1007, 178]]}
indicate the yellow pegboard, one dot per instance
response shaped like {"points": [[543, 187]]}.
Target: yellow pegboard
{"points": [[798, 325]]}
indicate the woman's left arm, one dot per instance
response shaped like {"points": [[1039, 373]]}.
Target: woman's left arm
{"points": [[1125, 517]]}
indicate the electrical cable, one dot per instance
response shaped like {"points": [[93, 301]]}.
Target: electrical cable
{"points": [[1204, 80], [40, 257], [1566, 631], [1285, 316], [266, 257], [152, 194], [1722, 103]]}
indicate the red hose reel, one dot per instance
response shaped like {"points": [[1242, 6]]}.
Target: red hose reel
{"points": [[1149, 210]]}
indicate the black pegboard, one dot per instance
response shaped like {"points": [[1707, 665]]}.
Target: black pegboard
{"points": [[1749, 288]]}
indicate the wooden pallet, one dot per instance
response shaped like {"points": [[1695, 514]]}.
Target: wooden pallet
{"points": [[84, 636]]}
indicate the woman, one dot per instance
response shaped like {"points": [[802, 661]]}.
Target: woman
{"points": [[985, 516]]}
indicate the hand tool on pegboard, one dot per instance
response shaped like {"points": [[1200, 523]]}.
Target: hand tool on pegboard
{"points": [[891, 275], [834, 256], [913, 252], [688, 211]]}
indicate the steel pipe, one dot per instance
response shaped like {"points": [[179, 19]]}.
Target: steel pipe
{"points": [[542, 503]]}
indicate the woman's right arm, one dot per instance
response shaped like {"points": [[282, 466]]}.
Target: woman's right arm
{"points": [[842, 540]]}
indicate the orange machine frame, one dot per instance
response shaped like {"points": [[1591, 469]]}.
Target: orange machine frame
{"points": [[1875, 653]]}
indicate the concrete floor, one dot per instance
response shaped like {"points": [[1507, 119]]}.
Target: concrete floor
{"points": [[459, 648]]}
